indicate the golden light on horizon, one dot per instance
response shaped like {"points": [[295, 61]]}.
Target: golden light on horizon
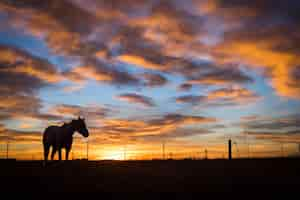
{"points": [[114, 154]]}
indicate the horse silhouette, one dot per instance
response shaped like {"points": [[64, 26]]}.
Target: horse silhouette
{"points": [[62, 137]]}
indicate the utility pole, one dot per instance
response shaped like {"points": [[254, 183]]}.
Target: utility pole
{"points": [[87, 150], [205, 154], [282, 150]]}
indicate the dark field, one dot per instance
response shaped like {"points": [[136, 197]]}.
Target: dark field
{"points": [[255, 175]]}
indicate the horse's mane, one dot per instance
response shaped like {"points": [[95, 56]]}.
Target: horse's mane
{"points": [[65, 124]]}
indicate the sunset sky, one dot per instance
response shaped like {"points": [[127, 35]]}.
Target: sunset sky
{"points": [[192, 73]]}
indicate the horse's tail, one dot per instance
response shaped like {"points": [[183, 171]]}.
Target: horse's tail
{"points": [[44, 136], [46, 144]]}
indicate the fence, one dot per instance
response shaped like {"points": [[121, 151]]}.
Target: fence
{"points": [[28, 152], [165, 150]]}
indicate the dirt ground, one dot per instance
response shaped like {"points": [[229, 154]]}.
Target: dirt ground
{"points": [[254, 175]]}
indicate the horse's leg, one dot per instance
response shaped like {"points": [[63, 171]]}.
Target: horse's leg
{"points": [[67, 153], [53, 152], [46, 152], [59, 153]]}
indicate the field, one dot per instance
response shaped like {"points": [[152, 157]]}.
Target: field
{"points": [[255, 175]]}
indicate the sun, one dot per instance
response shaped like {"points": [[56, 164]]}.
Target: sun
{"points": [[112, 155]]}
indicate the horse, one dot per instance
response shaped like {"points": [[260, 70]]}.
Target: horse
{"points": [[62, 137]]}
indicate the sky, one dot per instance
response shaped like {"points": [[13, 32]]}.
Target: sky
{"points": [[190, 74]]}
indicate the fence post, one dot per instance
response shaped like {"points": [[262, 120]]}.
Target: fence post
{"points": [[229, 150], [7, 149], [163, 150]]}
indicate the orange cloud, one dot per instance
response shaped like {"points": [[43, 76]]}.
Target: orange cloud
{"points": [[91, 73], [18, 105], [21, 137], [140, 61], [276, 137], [22, 62], [44, 20], [222, 97], [255, 38], [279, 66], [237, 95], [35, 72], [76, 111], [153, 127], [101, 72]]}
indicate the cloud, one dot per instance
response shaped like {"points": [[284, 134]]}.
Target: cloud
{"points": [[140, 61], [136, 98], [278, 129], [19, 104], [171, 22], [176, 134], [22, 76], [17, 61], [280, 67], [170, 126], [192, 99], [219, 76], [236, 95], [264, 39], [222, 97], [154, 35], [182, 119], [184, 87], [282, 137], [93, 114], [2, 128], [102, 72], [20, 137], [154, 79], [284, 123], [157, 127], [146, 36], [249, 118], [82, 111], [52, 20], [265, 9]]}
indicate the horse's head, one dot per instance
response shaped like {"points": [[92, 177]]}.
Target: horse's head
{"points": [[79, 126]]}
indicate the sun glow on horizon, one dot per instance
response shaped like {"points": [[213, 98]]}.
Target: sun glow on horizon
{"points": [[114, 154]]}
